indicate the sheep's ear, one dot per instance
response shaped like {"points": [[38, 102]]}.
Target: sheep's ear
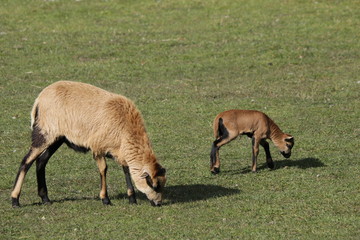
{"points": [[289, 139], [161, 172]]}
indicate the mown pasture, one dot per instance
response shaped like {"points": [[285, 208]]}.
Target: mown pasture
{"points": [[182, 62]]}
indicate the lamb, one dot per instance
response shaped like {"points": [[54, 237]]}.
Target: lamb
{"points": [[89, 118], [258, 126]]}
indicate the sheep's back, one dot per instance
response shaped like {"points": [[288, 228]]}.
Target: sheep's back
{"points": [[84, 113]]}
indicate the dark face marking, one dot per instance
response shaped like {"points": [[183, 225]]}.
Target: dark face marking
{"points": [[289, 144], [159, 183], [286, 155], [149, 181], [161, 172], [157, 188]]}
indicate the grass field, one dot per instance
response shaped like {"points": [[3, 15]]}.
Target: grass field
{"points": [[182, 62]]}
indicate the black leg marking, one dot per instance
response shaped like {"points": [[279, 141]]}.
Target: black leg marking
{"points": [[223, 134], [269, 160], [37, 138], [75, 147], [214, 149], [130, 187], [213, 155], [40, 169]]}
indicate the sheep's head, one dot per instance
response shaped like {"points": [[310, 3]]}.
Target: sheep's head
{"points": [[152, 184]]}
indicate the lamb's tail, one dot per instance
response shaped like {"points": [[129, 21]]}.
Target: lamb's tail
{"points": [[220, 133]]}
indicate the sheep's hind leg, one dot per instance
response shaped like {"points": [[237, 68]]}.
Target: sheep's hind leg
{"points": [[25, 165], [130, 187], [41, 162], [101, 163]]}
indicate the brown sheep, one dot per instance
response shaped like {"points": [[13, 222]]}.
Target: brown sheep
{"points": [[258, 126], [88, 118]]}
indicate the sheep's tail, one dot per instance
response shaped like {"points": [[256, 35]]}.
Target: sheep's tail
{"points": [[34, 113]]}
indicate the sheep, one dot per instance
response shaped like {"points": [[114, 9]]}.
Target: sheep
{"points": [[256, 125], [89, 118]]}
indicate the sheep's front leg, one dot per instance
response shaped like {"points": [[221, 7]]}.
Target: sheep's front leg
{"points": [[130, 187], [101, 163]]}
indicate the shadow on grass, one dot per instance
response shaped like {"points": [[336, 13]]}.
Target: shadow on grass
{"points": [[173, 194], [73, 199], [196, 192], [303, 163], [187, 193]]}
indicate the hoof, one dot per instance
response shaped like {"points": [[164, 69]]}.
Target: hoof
{"points": [[46, 201], [106, 201], [271, 165], [215, 171], [132, 200], [155, 204], [15, 202]]}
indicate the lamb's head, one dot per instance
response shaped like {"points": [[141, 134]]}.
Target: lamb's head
{"points": [[152, 184], [286, 145]]}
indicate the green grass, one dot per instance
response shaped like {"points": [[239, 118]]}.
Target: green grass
{"points": [[183, 62]]}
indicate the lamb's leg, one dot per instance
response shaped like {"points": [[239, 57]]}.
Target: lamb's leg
{"points": [[255, 152], [269, 160], [214, 155], [130, 187], [101, 163], [214, 158]]}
